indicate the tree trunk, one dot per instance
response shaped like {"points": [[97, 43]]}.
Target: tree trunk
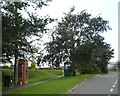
{"points": [[73, 66], [15, 70], [73, 70]]}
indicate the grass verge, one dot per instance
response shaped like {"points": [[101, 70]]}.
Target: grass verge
{"points": [[58, 86], [40, 75], [112, 70], [35, 75]]}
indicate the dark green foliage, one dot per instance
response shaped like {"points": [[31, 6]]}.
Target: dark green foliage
{"points": [[17, 30], [90, 69], [6, 72], [5, 67], [77, 40]]}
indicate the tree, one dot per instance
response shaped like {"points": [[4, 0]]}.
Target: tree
{"points": [[74, 39], [17, 30], [38, 61], [96, 52], [103, 54]]}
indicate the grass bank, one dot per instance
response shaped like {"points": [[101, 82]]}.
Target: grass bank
{"points": [[35, 75], [40, 75], [58, 86]]}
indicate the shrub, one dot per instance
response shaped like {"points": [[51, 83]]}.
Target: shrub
{"points": [[90, 69], [33, 64], [104, 70], [6, 72], [5, 67]]}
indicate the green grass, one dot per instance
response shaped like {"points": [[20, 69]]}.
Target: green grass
{"points": [[39, 75], [58, 86], [35, 75], [0, 86], [118, 70], [112, 70]]}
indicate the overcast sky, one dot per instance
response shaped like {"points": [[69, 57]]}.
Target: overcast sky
{"points": [[107, 9]]}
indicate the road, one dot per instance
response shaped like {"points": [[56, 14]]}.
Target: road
{"points": [[99, 84]]}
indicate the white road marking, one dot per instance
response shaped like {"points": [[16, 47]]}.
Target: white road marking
{"points": [[117, 80], [113, 86], [111, 90]]}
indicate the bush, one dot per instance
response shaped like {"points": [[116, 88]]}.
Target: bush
{"points": [[90, 69], [5, 67], [104, 70], [7, 72], [33, 64]]}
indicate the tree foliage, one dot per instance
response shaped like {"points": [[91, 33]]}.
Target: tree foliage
{"points": [[77, 40], [17, 31]]}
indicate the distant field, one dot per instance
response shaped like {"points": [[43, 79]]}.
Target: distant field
{"points": [[112, 70], [58, 86]]}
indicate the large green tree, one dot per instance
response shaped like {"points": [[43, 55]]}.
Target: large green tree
{"points": [[17, 31], [76, 41], [101, 53], [97, 52]]}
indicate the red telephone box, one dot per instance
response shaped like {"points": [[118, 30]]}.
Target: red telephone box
{"points": [[22, 72]]}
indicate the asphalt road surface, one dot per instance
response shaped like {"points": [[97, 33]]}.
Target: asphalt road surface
{"points": [[99, 84]]}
